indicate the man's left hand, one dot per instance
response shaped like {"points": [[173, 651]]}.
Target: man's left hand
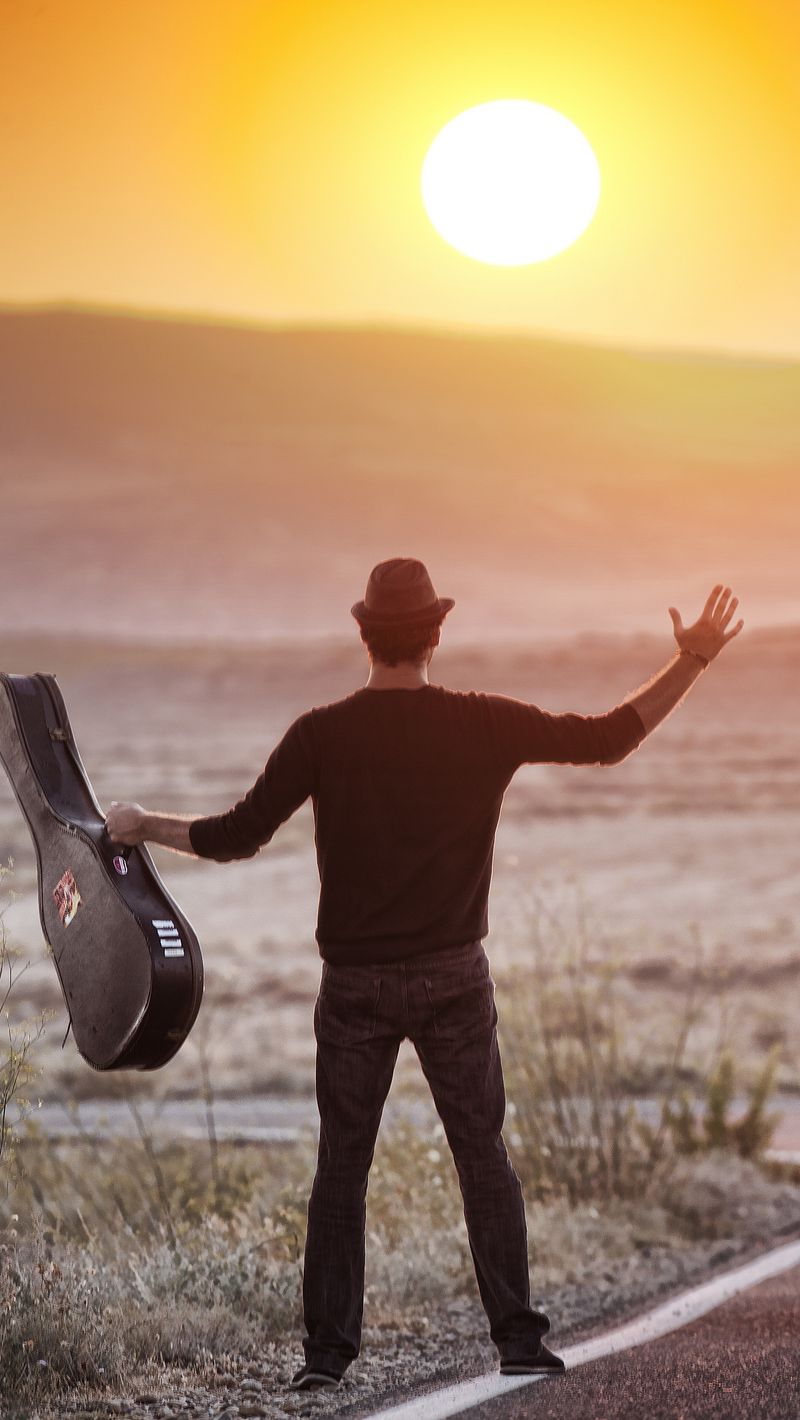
{"points": [[710, 632]]}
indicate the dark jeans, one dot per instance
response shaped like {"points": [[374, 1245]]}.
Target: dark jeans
{"points": [[445, 1006]]}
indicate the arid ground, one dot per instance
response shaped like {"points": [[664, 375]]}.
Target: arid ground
{"points": [[682, 856], [188, 512]]}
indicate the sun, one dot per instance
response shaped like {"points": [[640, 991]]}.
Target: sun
{"points": [[510, 182]]}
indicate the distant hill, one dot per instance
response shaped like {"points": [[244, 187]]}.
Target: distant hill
{"points": [[172, 477]]}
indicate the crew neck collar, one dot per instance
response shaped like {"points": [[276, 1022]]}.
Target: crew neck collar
{"points": [[394, 689]]}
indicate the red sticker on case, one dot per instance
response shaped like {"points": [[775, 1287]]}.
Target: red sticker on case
{"points": [[66, 897]]}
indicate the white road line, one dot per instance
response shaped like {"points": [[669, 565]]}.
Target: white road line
{"points": [[677, 1312]]}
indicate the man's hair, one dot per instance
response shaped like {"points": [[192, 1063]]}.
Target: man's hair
{"points": [[392, 645]]}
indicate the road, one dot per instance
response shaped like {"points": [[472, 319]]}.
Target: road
{"points": [[740, 1362], [269, 1119]]}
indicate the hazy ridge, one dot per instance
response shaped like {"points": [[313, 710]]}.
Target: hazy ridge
{"points": [[164, 478]]}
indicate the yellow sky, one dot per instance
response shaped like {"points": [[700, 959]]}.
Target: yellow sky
{"points": [[263, 160]]}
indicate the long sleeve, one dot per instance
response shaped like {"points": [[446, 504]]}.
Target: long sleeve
{"points": [[524, 734], [284, 784]]}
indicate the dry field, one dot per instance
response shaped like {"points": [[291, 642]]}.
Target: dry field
{"points": [[176, 491], [158, 1275], [677, 867]]}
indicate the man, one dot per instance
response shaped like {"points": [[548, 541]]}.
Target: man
{"points": [[407, 780]]}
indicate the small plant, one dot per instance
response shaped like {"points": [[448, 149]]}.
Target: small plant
{"points": [[18, 1037], [578, 1126], [711, 1126]]}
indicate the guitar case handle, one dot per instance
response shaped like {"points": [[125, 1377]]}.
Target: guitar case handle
{"points": [[122, 850]]}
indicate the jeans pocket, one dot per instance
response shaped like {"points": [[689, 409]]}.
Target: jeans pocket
{"points": [[461, 1003], [346, 1012]]}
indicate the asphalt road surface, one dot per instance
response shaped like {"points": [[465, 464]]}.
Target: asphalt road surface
{"points": [[741, 1362], [270, 1119]]}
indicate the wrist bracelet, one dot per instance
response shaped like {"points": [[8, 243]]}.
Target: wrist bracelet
{"points": [[696, 655]]}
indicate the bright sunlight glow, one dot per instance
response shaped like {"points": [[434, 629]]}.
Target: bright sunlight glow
{"points": [[510, 182]]}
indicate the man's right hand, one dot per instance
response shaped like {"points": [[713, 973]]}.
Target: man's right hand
{"points": [[125, 823], [131, 824], [710, 632]]}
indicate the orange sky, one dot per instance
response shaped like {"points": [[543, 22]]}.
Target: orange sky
{"points": [[263, 160]]}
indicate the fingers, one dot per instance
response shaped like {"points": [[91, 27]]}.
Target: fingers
{"points": [[719, 609], [708, 609], [735, 632], [728, 617], [677, 623]]}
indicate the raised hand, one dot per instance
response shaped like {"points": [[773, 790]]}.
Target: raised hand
{"points": [[710, 632]]}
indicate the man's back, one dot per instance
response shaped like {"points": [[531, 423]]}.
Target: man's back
{"points": [[407, 787]]}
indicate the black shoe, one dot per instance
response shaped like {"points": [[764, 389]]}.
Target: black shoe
{"points": [[314, 1378], [544, 1363]]}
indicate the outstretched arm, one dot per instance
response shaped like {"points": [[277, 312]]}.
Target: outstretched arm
{"points": [[526, 734], [131, 824], [698, 645], [285, 783]]}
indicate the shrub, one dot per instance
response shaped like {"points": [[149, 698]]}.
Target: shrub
{"points": [[577, 1128], [18, 1036]]}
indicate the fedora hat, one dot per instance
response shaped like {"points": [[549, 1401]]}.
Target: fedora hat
{"points": [[400, 593]]}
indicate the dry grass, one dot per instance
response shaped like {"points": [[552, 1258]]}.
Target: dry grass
{"points": [[101, 1290], [122, 1257], [140, 1251], [577, 1073], [19, 1035]]}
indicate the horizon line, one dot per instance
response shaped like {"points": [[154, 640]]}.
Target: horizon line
{"points": [[302, 637], [388, 325]]}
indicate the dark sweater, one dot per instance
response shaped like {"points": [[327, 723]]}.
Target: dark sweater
{"points": [[406, 787]]}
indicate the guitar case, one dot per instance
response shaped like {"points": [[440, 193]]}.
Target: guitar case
{"points": [[128, 960]]}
